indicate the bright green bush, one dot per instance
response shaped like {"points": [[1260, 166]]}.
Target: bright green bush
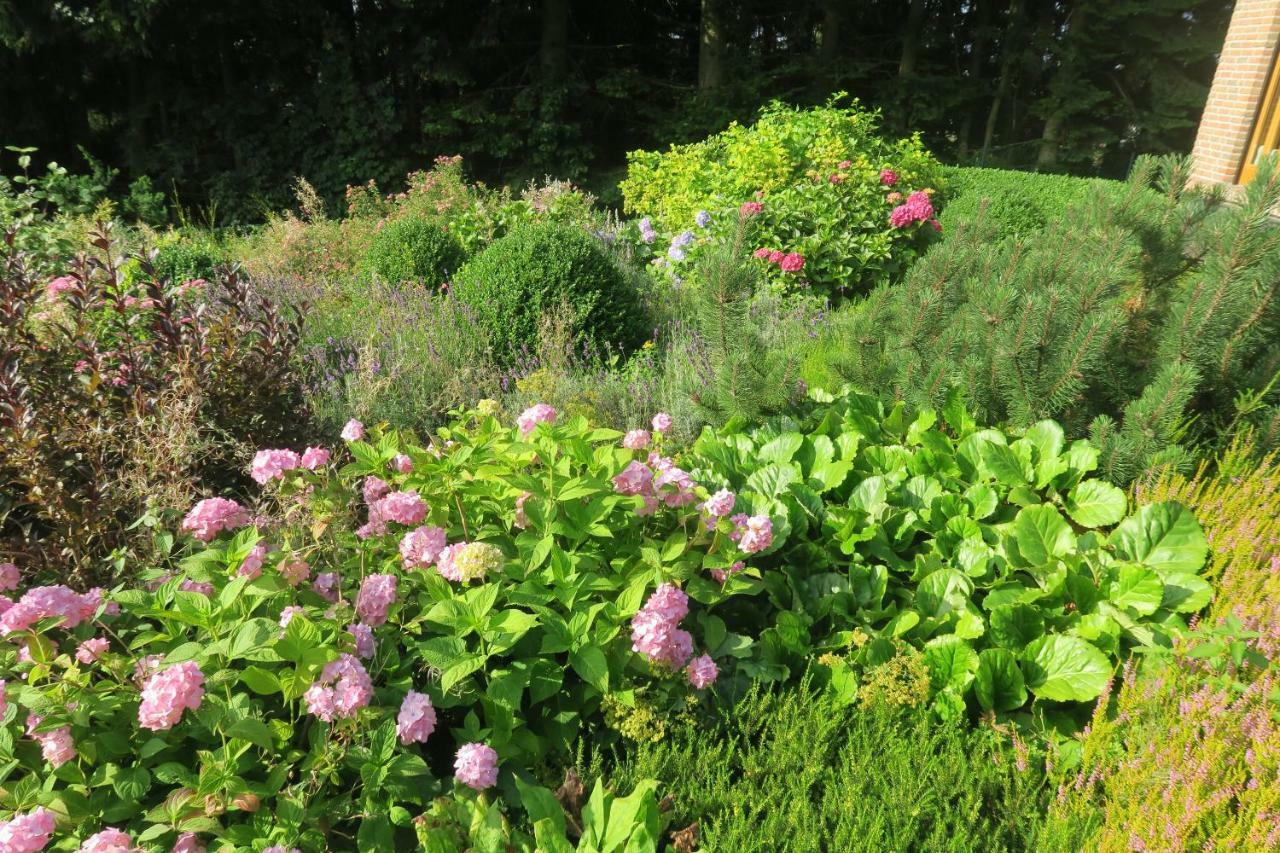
{"points": [[538, 270], [816, 174], [790, 770], [181, 257], [411, 248], [1016, 203]]}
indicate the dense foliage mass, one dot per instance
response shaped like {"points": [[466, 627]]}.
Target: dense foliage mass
{"points": [[413, 249]]}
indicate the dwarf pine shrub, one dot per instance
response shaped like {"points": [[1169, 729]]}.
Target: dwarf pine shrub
{"points": [[1140, 317]]}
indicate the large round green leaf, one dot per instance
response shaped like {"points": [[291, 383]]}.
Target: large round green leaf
{"points": [[1137, 588], [1042, 534], [1164, 536], [1065, 669], [1015, 625], [998, 684], [1093, 503], [952, 663]]}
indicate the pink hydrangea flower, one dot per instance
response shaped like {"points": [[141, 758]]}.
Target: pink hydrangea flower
{"points": [[635, 479], [792, 262], [752, 534], [90, 650], [168, 693], [315, 457], [662, 422], [417, 718], [9, 577], [888, 177], [721, 575], [444, 563], [366, 644], [251, 566], [476, 766], [188, 842], [47, 602], [27, 833], [294, 571], [353, 431], [522, 519], [720, 504], [280, 848], [146, 666], [836, 178], [917, 208], [674, 485], [272, 464], [57, 746], [636, 439], [326, 586], [286, 615], [205, 589], [377, 593], [402, 464], [109, 841], [654, 629], [211, 516], [762, 253], [421, 546], [749, 208], [61, 284], [402, 507], [341, 691], [373, 489], [702, 672], [776, 256], [534, 415]]}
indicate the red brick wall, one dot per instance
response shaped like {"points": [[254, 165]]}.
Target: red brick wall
{"points": [[1238, 86]]}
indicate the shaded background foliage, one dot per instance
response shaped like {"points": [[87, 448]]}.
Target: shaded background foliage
{"points": [[222, 104]]}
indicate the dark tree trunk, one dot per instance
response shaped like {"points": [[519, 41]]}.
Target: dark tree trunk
{"points": [[553, 52], [911, 38], [710, 47], [1009, 49], [977, 60], [1069, 70], [829, 46]]}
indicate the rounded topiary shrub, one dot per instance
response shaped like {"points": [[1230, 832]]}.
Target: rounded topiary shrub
{"points": [[536, 274], [414, 249], [186, 259]]}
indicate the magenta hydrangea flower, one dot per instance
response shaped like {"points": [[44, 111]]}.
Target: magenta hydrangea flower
{"points": [[326, 586], [205, 589], [476, 766], [750, 208], [417, 718], [752, 534], [534, 415], [46, 602], [251, 566], [635, 479], [272, 464], [888, 177], [917, 208], [402, 464], [168, 693], [702, 672], [90, 650], [188, 842], [636, 439], [377, 593], [9, 577], [211, 516], [315, 457], [421, 546], [792, 262], [294, 571], [762, 253], [661, 422], [366, 644], [57, 746], [353, 431], [341, 691], [27, 833], [109, 841]]}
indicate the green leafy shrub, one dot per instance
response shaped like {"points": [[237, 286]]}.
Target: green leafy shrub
{"points": [[817, 175], [789, 769], [120, 397], [1147, 319], [411, 248], [186, 257], [537, 269], [1015, 203]]}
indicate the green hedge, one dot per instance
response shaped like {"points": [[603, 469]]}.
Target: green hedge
{"points": [[1019, 202]]}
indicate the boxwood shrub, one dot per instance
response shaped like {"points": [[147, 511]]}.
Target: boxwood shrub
{"points": [[1018, 203], [412, 248]]}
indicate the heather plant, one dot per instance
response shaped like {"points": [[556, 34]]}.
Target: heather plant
{"points": [[307, 681], [115, 395], [837, 207], [1145, 318]]}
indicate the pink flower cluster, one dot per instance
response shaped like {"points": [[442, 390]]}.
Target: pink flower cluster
{"points": [[109, 840], [750, 208], [655, 631], [722, 575], [417, 718], [353, 431], [168, 693], [476, 766], [402, 464], [56, 746], [366, 645], [752, 533], [534, 415], [421, 546], [90, 650], [342, 689], [718, 506], [406, 508], [372, 489], [662, 422], [702, 672], [294, 571], [636, 439], [786, 261], [61, 284], [659, 481], [377, 593], [272, 464], [211, 516], [200, 587], [326, 586], [251, 565], [888, 177], [188, 842], [27, 833], [314, 457], [48, 602], [286, 615], [9, 577], [522, 518], [917, 208]]}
